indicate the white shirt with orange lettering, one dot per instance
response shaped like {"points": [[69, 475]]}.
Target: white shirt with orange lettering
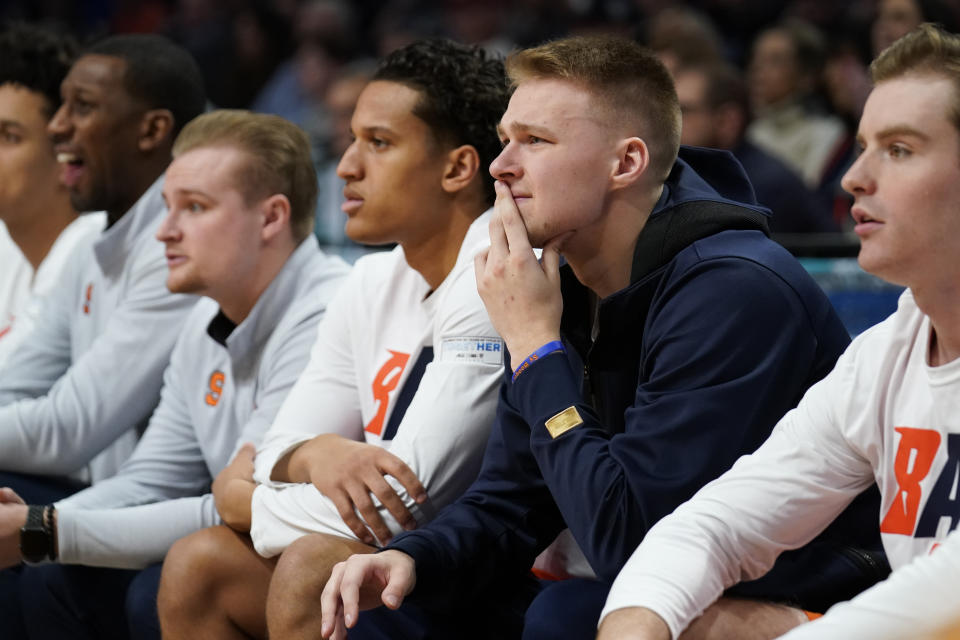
{"points": [[882, 414], [394, 365]]}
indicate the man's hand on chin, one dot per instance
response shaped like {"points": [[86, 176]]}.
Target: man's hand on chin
{"points": [[521, 294]]}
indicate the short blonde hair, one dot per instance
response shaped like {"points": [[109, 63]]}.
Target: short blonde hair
{"points": [[278, 158], [928, 49], [627, 77]]}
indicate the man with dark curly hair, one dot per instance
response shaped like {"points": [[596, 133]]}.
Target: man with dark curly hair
{"points": [[39, 228], [388, 421]]}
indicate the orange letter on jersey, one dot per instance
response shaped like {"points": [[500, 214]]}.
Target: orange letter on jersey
{"points": [[386, 381], [89, 295], [902, 517], [216, 388]]}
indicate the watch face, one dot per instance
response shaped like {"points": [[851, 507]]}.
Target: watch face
{"points": [[34, 543]]}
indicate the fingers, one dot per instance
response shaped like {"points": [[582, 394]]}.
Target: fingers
{"points": [[331, 610], [389, 464], [394, 466], [514, 229], [400, 577], [340, 601], [393, 593], [247, 451], [360, 495], [480, 266], [498, 238], [393, 503], [345, 507], [8, 495], [354, 575]]}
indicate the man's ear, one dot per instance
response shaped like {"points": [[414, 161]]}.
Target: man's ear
{"points": [[462, 165], [633, 159], [276, 217], [156, 126]]}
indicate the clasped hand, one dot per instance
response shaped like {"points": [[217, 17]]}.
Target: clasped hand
{"points": [[348, 472], [233, 490]]}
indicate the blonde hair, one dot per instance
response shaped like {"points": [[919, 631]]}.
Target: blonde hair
{"points": [[625, 76], [928, 49], [277, 158]]}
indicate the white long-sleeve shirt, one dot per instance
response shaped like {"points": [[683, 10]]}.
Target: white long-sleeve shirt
{"points": [[15, 276], [393, 366], [223, 388], [882, 414], [22, 288], [77, 388]]}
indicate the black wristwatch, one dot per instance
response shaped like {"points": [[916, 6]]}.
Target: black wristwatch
{"points": [[36, 537]]}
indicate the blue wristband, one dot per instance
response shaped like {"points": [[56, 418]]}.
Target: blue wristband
{"points": [[550, 347]]}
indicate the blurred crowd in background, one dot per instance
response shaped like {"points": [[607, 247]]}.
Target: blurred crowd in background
{"points": [[781, 84]]}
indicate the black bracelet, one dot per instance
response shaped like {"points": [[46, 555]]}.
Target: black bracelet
{"points": [[50, 524]]}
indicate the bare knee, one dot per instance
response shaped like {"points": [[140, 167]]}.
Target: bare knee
{"points": [[188, 571], [196, 571], [293, 603], [744, 619]]}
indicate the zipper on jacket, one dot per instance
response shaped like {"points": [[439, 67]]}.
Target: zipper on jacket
{"points": [[864, 560]]}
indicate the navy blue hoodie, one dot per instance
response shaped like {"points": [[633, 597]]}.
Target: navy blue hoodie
{"points": [[719, 333]]}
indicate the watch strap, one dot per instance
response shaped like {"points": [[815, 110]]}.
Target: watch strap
{"points": [[36, 536], [35, 513]]}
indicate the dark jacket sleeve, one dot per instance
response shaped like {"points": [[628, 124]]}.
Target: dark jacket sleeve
{"points": [[728, 348]]}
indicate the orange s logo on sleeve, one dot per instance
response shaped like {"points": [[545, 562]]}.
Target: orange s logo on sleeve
{"points": [[386, 381], [216, 388], [87, 296]]}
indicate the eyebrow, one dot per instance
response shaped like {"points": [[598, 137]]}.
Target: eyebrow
{"points": [[524, 127], [191, 192], [80, 88], [896, 130], [377, 129]]}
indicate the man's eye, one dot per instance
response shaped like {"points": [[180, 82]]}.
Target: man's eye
{"points": [[534, 139], [195, 207], [81, 106], [898, 151]]}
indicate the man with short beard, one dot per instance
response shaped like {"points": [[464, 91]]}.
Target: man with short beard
{"points": [[75, 391]]}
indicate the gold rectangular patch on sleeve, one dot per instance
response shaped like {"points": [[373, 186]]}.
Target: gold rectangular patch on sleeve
{"points": [[563, 422]]}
